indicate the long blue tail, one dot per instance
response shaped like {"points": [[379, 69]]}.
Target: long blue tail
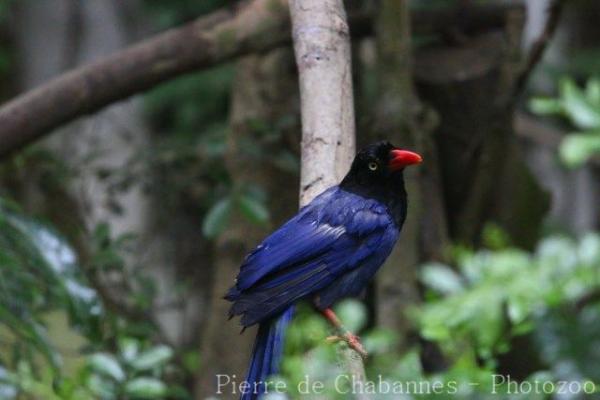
{"points": [[267, 351]]}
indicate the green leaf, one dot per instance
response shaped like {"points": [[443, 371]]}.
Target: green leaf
{"points": [[102, 233], [379, 341], [253, 209], [578, 108], [146, 388], [577, 148], [217, 217], [589, 249], [518, 310], [592, 92], [129, 348], [152, 358], [31, 332], [101, 387], [441, 278], [191, 361], [545, 106], [494, 237], [353, 314], [107, 365]]}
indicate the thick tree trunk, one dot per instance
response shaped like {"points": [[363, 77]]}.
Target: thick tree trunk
{"points": [[264, 94]]}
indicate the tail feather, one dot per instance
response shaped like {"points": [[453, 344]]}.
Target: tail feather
{"points": [[267, 352]]}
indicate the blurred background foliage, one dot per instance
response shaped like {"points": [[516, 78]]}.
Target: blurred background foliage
{"points": [[487, 307], [476, 310], [41, 281], [581, 109]]}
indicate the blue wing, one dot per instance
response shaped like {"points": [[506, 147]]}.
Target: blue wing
{"points": [[337, 241]]}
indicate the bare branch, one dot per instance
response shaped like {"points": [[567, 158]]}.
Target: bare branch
{"points": [[254, 26], [539, 46]]}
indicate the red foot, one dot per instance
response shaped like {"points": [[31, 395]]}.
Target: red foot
{"points": [[350, 338], [354, 342]]}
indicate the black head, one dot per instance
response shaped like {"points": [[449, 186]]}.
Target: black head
{"points": [[376, 172], [380, 164]]}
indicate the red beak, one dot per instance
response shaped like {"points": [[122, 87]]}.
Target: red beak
{"points": [[402, 158]]}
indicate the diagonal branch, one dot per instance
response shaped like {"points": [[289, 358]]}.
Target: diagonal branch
{"points": [[254, 26], [539, 46]]}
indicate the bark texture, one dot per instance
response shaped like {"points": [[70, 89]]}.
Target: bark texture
{"points": [[323, 56], [322, 46]]}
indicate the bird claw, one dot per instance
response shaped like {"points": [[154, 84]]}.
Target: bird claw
{"points": [[353, 342]]}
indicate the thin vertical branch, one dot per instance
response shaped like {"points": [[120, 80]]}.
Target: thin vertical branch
{"points": [[322, 47], [539, 46]]}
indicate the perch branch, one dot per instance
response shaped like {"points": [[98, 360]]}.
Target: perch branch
{"points": [[322, 48]]}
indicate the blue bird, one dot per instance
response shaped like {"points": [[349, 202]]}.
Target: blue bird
{"points": [[328, 251]]}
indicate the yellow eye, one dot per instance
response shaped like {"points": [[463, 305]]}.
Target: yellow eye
{"points": [[373, 166]]}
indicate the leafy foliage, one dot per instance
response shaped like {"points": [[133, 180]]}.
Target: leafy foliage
{"points": [[502, 290], [250, 202], [191, 115], [40, 274], [132, 373], [473, 313], [582, 109]]}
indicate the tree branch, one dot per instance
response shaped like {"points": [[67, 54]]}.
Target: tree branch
{"points": [[322, 47], [254, 26], [539, 46]]}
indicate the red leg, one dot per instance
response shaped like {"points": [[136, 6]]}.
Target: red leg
{"points": [[332, 318], [354, 342], [350, 338]]}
